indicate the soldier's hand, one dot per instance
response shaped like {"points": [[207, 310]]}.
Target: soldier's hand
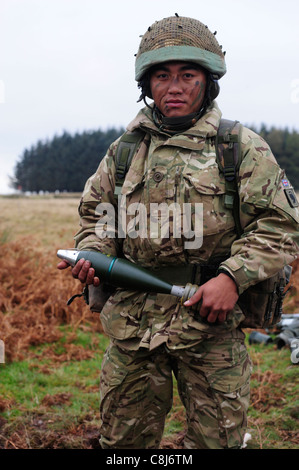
{"points": [[82, 271], [219, 296]]}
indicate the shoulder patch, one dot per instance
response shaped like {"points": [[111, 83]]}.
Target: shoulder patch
{"points": [[291, 196]]}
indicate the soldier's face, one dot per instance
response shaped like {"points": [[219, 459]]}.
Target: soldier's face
{"points": [[178, 88]]}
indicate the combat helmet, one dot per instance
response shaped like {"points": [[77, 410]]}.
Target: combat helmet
{"points": [[180, 38]]}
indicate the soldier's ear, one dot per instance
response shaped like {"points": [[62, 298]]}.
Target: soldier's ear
{"points": [[214, 87], [144, 85]]}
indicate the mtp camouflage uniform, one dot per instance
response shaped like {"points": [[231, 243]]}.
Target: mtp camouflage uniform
{"points": [[153, 336]]}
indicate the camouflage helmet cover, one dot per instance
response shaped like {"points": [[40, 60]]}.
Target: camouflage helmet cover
{"points": [[179, 38]]}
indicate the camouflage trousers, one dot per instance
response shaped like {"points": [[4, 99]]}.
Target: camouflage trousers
{"points": [[213, 383]]}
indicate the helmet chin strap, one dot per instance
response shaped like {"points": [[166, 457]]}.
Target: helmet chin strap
{"points": [[175, 124]]}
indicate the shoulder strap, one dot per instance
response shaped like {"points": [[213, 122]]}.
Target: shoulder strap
{"points": [[229, 157], [127, 146]]}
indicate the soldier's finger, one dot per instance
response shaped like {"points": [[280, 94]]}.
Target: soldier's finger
{"points": [[83, 273], [90, 276], [212, 316], [63, 265], [222, 317], [204, 311], [194, 299], [216, 315], [77, 268]]}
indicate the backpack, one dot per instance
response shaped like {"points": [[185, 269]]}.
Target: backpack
{"points": [[261, 303]]}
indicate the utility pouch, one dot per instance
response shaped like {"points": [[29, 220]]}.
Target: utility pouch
{"points": [[262, 303], [98, 296]]}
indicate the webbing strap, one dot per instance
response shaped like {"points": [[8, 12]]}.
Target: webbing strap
{"points": [[229, 156], [125, 151]]}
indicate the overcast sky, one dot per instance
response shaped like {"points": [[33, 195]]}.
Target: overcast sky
{"points": [[69, 64]]}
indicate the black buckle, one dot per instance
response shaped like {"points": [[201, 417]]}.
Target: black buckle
{"points": [[229, 172]]}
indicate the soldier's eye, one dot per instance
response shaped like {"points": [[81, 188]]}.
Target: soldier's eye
{"points": [[162, 76]]}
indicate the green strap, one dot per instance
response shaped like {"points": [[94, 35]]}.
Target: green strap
{"points": [[229, 156], [126, 149]]}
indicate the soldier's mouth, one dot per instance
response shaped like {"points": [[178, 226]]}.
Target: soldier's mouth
{"points": [[175, 103]]}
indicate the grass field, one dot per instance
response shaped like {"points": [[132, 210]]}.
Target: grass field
{"points": [[49, 382]]}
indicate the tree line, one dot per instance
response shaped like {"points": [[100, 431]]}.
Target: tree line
{"points": [[65, 162]]}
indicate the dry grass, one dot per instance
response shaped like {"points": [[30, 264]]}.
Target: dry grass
{"points": [[33, 295], [48, 221], [33, 292]]}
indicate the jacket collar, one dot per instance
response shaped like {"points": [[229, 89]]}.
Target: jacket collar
{"points": [[206, 126]]}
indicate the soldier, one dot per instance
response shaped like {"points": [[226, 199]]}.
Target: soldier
{"points": [[153, 336]]}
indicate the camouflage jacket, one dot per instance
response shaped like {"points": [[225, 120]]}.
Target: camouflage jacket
{"points": [[181, 169]]}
